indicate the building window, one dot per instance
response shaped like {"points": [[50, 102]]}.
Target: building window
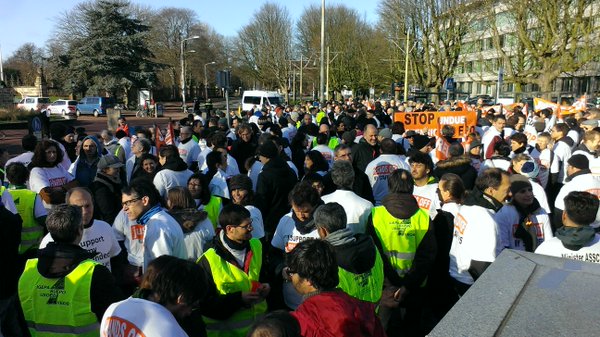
{"points": [[567, 84]]}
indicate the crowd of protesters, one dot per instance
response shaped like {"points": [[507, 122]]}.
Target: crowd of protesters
{"points": [[305, 220]]}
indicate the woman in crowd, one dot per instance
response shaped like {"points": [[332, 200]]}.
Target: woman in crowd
{"points": [[197, 184], [106, 188], [149, 166], [197, 228], [174, 171], [314, 162], [243, 195]]}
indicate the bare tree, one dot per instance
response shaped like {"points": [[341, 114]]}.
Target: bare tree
{"points": [[24, 63]]}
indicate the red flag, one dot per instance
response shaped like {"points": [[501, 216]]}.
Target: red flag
{"points": [[170, 136], [158, 137]]}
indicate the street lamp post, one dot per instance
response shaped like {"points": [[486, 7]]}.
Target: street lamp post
{"points": [[322, 61], [206, 80], [183, 89]]}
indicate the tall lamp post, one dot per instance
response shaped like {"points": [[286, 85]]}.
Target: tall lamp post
{"points": [[183, 89], [206, 80]]}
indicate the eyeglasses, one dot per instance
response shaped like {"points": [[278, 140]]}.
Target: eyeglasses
{"points": [[129, 202], [246, 226]]}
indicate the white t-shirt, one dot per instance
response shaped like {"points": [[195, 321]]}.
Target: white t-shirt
{"points": [[196, 240], [218, 185], [581, 183], [167, 179], [41, 177], [378, 171], [258, 227], [487, 139], [507, 219], [99, 238], [286, 238], [563, 153], [139, 317], [476, 237], [24, 158], [594, 161], [427, 198], [548, 163], [189, 151], [357, 209], [326, 152], [588, 253], [231, 170]]}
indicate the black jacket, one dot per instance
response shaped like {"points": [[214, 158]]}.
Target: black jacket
{"points": [[107, 198], [241, 151], [404, 206], [363, 154], [460, 166], [59, 259], [358, 256], [10, 238], [361, 185], [274, 184]]}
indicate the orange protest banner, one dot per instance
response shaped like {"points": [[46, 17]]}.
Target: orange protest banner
{"points": [[464, 122]]}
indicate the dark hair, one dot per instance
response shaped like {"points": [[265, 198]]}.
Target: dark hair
{"points": [[39, 154], [581, 207], [179, 277], [331, 216], [218, 139], [497, 117], [421, 158], [28, 142], [233, 215], [17, 173], [168, 151], [401, 181], [322, 138], [139, 187], [213, 159], [319, 162], [453, 183], [562, 128], [154, 268], [388, 146], [491, 177], [315, 261], [447, 131], [144, 131], [519, 137], [180, 198], [456, 149], [398, 128], [278, 323], [303, 193], [120, 134], [502, 148], [204, 183], [63, 223]]}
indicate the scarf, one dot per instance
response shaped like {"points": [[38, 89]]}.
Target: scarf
{"points": [[235, 245], [526, 232], [304, 227], [574, 238], [341, 237], [146, 216]]}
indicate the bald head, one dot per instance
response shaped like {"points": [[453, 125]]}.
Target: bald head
{"points": [[370, 134], [81, 197], [324, 128]]}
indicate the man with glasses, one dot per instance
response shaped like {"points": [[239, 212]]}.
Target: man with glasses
{"points": [[233, 268]]}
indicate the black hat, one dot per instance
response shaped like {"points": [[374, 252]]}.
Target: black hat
{"points": [[518, 182], [579, 161], [240, 182], [268, 150], [420, 141]]}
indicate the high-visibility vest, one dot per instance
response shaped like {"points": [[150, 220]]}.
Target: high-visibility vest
{"points": [[230, 279], [333, 142], [400, 238], [32, 233], [367, 286], [213, 208], [58, 306]]}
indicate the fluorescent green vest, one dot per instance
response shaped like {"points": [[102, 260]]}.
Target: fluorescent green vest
{"points": [[213, 208], [230, 279], [32, 233], [58, 307], [333, 142], [367, 286], [400, 238]]}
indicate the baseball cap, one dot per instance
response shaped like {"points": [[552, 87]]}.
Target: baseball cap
{"points": [[109, 161]]}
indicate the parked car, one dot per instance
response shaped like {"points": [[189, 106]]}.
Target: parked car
{"points": [[94, 105], [33, 103], [487, 100], [64, 107]]}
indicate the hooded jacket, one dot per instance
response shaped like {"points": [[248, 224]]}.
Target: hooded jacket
{"points": [[353, 252], [404, 206], [107, 197], [460, 166], [274, 184], [59, 259], [83, 171]]}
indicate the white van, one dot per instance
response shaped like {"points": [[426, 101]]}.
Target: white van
{"points": [[257, 98]]}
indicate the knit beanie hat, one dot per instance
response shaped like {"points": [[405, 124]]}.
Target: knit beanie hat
{"points": [[579, 161], [518, 182], [240, 182]]}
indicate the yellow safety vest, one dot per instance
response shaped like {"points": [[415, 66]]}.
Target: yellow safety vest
{"points": [[61, 306], [230, 279], [400, 238], [213, 208], [32, 233], [367, 286], [333, 142]]}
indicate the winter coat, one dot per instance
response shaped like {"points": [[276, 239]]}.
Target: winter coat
{"points": [[363, 154], [107, 197], [274, 184], [460, 166]]}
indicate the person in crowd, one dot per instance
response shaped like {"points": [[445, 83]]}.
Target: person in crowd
{"points": [[422, 144], [475, 242], [133, 165], [314, 162], [47, 176], [243, 147], [493, 135], [150, 167], [274, 184], [308, 127], [518, 144], [547, 161], [380, 168], [457, 163], [579, 178], [357, 209], [360, 266], [123, 125], [313, 272], [30, 208], [11, 243], [298, 146], [278, 323], [293, 228], [188, 149], [198, 186], [361, 186], [499, 159], [321, 146], [197, 228], [523, 224], [174, 171], [590, 147], [98, 237], [65, 138], [111, 145], [28, 143], [575, 238], [367, 148], [106, 188], [84, 168], [243, 195], [150, 231], [169, 298], [65, 273], [401, 230], [218, 141], [524, 165], [234, 270], [425, 185], [562, 150], [217, 164]]}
